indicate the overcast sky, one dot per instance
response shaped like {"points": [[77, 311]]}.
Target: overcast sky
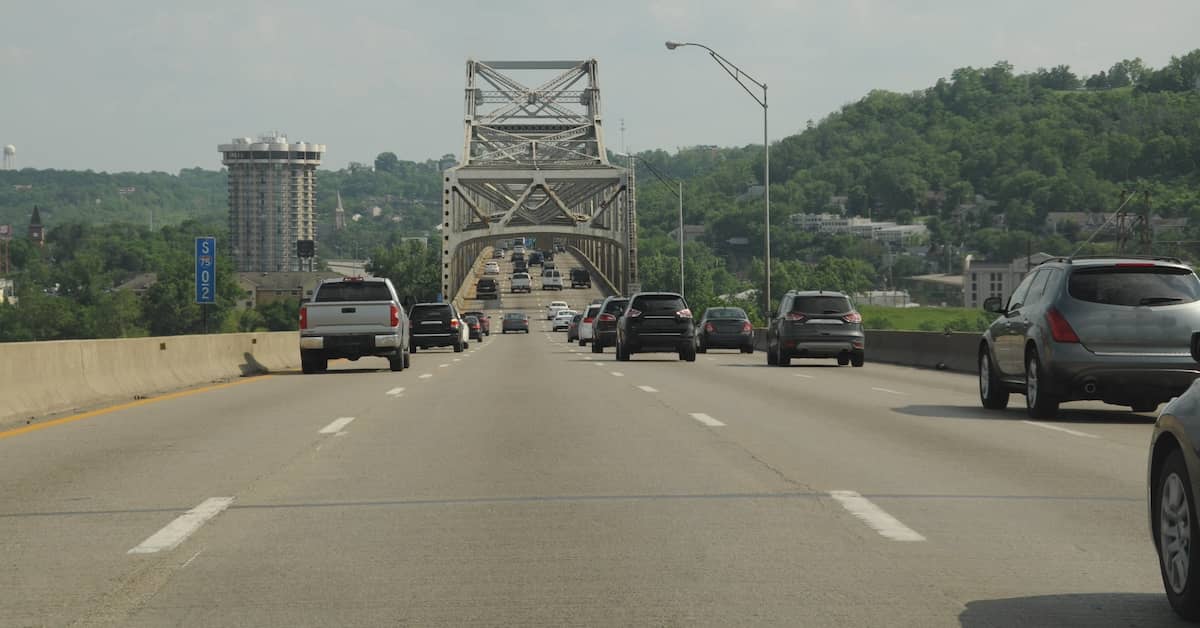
{"points": [[154, 85]]}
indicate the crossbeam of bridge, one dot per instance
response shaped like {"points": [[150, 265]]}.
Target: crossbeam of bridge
{"points": [[534, 165]]}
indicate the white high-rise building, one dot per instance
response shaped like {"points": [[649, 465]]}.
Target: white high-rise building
{"points": [[272, 195]]}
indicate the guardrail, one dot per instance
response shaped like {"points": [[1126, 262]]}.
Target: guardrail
{"points": [[606, 287], [49, 377], [954, 351]]}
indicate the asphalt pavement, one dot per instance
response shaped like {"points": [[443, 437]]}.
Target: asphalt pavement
{"points": [[529, 482]]}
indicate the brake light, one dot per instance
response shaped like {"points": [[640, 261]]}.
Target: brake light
{"points": [[708, 327], [303, 318], [853, 317], [746, 326], [796, 316], [352, 279], [587, 320], [684, 313], [394, 318], [454, 323], [634, 313], [1060, 329], [607, 318]]}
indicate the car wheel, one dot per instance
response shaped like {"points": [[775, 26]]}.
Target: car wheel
{"points": [[597, 347], [748, 349], [479, 339], [407, 359], [582, 343], [1038, 401], [772, 356], [992, 394], [622, 354], [785, 358], [700, 348], [1173, 515], [843, 359], [688, 353], [396, 362], [858, 359], [458, 347]]}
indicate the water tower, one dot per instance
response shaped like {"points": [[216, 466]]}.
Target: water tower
{"points": [[10, 156]]}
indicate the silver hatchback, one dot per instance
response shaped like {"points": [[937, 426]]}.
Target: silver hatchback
{"points": [[1116, 329]]}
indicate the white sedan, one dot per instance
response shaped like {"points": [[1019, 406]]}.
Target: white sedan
{"points": [[562, 320], [554, 307], [491, 268]]}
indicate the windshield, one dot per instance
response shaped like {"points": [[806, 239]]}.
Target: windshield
{"points": [[658, 304], [725, 313], [1135, 285], [430, 312]]}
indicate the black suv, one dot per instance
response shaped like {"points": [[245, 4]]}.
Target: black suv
{"points": [[487, 288], [816, 324], [435, 325], [656, 322], [580, 278], [535, 258], [604, 328]]}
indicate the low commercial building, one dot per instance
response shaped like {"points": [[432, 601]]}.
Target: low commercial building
{"points": [[263, 288], [983, 279]]}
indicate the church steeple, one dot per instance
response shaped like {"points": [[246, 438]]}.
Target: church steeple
{"points": [[339, 214], [37, 231]]}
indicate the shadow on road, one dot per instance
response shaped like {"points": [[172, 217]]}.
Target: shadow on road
{"points": [[763, 364], [1072, 610], [1065, 415], [252, 366]]}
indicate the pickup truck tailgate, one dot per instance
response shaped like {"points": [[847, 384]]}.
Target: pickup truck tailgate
{"points": [[349, 317]]}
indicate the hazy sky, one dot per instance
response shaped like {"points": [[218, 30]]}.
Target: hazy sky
{"points": [[156, 85]]}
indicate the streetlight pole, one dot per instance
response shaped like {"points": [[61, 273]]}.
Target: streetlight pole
{"points": [[680, 195], [737, 74]]}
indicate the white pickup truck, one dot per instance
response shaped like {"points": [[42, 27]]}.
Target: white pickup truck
{"points": [[350, 318], [521, 283]]}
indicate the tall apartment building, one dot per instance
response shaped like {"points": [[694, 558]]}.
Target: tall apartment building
{"points": [[272, 194]]}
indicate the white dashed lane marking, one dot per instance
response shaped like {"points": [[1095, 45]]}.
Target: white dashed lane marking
{"points": [[395, 392], [648, 389], [875, 517], [425, 376], [183, 526], [618, 374], [888, 390], [337, 425], [804, 376], [707, 420], [1060, 429]]}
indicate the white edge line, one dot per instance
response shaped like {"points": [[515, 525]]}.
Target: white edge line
{"points": [[707, 420], [174, 533], [875, 517], [1060, 429], [337, 425]]}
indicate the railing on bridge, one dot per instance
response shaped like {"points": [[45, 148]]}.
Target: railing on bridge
{"points": [[534, 165]]}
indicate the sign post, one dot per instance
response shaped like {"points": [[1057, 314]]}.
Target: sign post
{"points": [[206, 276]]}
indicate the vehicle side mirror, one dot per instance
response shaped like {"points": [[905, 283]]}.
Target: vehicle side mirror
{"points": [[1196, 346], [993, 305]]}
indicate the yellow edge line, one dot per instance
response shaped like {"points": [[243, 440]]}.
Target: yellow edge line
{"points": [[125, 406]]}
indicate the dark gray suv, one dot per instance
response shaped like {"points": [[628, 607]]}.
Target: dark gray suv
{"points": [[1116, 329], [816, 324]]}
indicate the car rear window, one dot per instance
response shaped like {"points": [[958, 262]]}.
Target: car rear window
{"points": [[430, 313], [353, 291], [592, 311], [658, 304], [725, 313], [514, 316], [1134, 285], [821, 305], [616, 306]]}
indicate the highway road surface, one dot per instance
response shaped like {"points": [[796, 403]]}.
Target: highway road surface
{"points": [[528, 482]]}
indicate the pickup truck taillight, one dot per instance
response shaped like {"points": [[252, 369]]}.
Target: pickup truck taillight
{"points": [[394, 320], [303, 318], [746, 326], [684, 313]]}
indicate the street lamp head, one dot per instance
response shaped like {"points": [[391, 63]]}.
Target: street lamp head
{"points": [[671, 45]]}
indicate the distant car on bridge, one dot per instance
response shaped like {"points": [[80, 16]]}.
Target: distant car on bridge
{"points": [[514, 322]]}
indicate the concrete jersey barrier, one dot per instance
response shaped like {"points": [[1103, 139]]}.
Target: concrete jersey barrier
{"points": [[50, 377], [955, 351]]}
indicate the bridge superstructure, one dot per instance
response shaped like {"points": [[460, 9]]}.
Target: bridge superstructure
{"points": [[534, 164]]}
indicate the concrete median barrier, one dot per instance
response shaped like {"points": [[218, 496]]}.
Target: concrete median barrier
{"points": [[44, 378], [955, 351]]}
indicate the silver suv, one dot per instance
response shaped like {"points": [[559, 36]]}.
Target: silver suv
{"points": [[1117, 329]]}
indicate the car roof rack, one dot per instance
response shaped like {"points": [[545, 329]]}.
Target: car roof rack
{"points": [[1157, 258]]}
